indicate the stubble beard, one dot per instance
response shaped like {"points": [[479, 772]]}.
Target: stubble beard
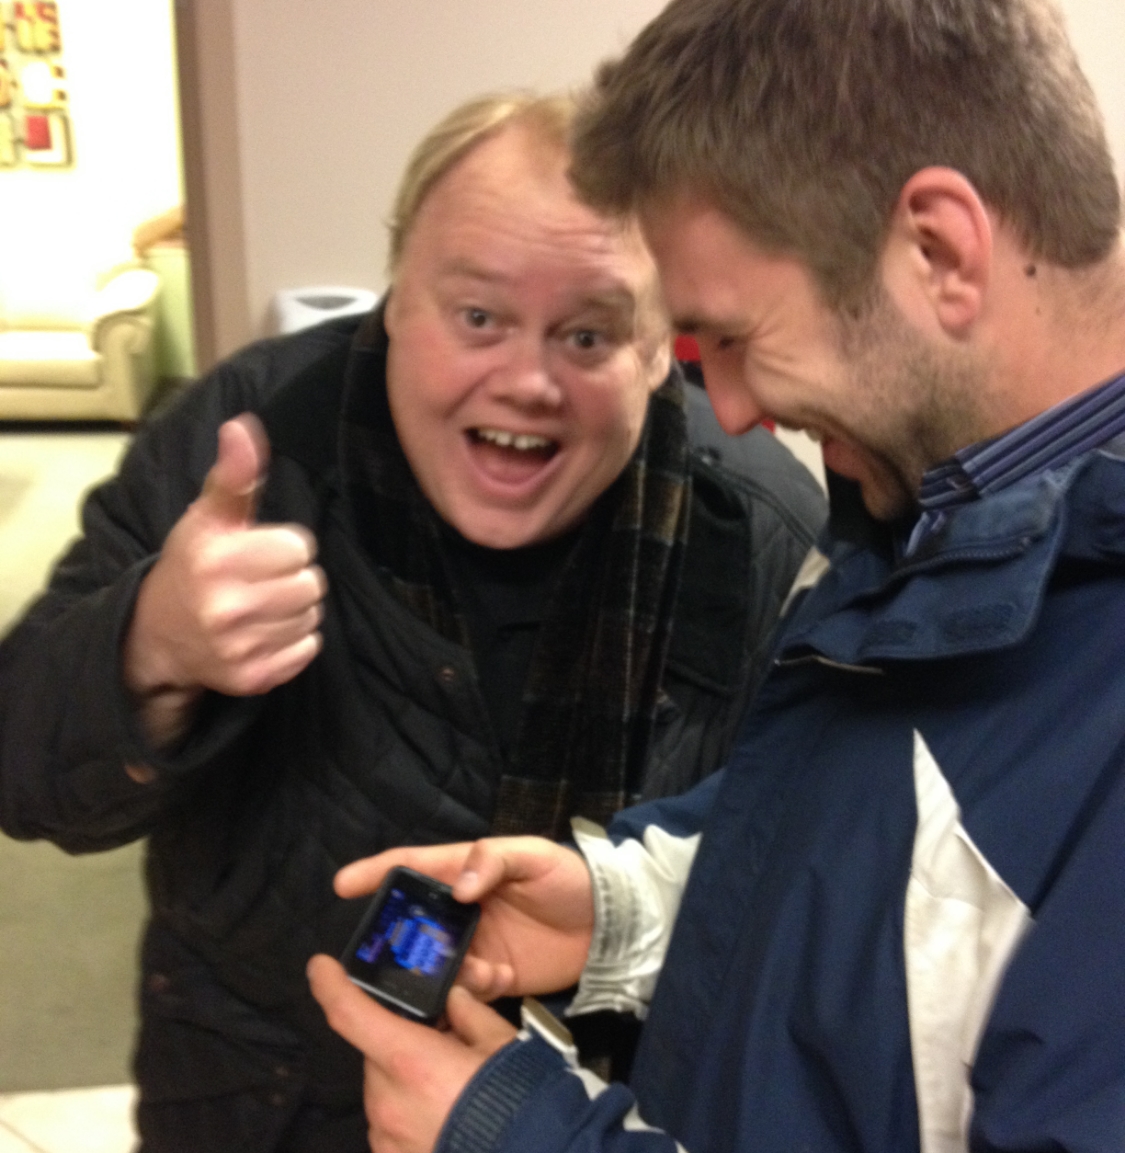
{"points": [[923, 403]]}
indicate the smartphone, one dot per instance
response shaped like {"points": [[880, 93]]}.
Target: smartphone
{"points": [[410, 944]]}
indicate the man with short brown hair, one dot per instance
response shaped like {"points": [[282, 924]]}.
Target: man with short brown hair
{"points": [[896, 921], [804, 128]]}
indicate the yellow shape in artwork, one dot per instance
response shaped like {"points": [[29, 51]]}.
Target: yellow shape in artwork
{"points": [[37, 26]]}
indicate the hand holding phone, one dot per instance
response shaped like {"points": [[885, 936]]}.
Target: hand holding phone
{"points": [[410, 944], [537, 907], [412, 1076]]}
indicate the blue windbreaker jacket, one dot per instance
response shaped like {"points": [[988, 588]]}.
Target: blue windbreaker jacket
{"points": [[904, 928]]}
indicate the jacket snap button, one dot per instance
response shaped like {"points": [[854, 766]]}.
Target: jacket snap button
{"points": [[447, 674]]}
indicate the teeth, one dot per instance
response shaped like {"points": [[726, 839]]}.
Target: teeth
{"points": [[522, 441]]}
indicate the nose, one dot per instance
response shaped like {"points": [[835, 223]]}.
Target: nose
{"points": [[524, 376], [730, 395]]}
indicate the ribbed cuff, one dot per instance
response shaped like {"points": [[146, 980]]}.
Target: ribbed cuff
{"points": [[495, 1095]]}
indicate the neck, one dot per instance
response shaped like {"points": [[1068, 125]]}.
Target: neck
{"points": [[1057, 332]]}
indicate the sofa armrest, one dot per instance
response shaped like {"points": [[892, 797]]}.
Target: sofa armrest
{"points": [[130, 293], [128, 365]]}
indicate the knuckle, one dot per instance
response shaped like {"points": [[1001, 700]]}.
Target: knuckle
{"points": [[221, 605], [308, 541], [216, 618], [231, 647], [297, 541], [314, 582], [209, 556], [248, 681]]}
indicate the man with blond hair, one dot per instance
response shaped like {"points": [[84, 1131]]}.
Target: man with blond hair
{"points": [[896, 921], [404, 578]]}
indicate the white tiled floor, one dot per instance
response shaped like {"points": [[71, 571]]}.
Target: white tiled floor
{"points": [[68, 1121]]}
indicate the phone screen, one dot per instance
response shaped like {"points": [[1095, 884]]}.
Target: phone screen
{"points": [[410, 944]]}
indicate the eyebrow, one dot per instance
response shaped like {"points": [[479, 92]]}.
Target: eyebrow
{"points": [[612, 300], [692, 325], [470, 271]]}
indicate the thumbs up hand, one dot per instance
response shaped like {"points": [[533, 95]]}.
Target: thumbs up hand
{"points": [[231, 605]]}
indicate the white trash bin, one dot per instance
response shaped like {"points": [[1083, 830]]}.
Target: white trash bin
{"points": [[297, 308]]}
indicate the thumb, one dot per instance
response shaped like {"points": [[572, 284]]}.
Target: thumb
{"points": [[355, 1015], [475, 1023], [230, 490]]}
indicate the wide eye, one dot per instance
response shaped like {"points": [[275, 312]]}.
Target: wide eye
{"points": [[586, 339]]}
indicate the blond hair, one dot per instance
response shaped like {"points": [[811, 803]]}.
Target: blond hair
{"points": [[457, 134]]}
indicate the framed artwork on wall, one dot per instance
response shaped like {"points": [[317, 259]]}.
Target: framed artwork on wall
{"points": [[35, 128]]}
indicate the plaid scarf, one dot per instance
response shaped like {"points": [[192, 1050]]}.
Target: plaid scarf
{"points": [[594, 682]]}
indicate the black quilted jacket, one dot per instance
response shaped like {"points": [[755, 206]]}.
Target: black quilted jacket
{"points": [[382, 740]]}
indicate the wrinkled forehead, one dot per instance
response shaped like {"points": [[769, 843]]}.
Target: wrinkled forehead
{"points": [[509, 204], [510, 168]]}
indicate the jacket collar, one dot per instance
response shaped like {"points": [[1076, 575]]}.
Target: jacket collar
{"points": [[977, 585]]}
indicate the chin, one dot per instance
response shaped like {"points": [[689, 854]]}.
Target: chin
{"points": [[500, 532], [884, 505]]}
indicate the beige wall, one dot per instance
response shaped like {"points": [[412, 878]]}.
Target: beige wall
{"points": [[1097, 28], [307, 113], [327, 102]]}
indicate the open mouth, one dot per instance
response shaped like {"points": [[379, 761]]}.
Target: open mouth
{"points": [[511, 458], [516, 446]]}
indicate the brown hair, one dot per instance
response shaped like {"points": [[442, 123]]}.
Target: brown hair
{"points": [[803, 119], [457, 134]]}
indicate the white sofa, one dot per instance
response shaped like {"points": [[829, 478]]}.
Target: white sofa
{"points": [[101, 370]]}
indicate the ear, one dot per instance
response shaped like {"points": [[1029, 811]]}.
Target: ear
{"points": [[937, 258], [390, 312], [660, 365]]}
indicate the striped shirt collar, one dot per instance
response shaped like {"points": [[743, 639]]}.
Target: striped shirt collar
{"points": [[1049, 440]]}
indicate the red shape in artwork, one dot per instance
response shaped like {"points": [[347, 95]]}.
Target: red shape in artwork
{"points": [[37, 133]]}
